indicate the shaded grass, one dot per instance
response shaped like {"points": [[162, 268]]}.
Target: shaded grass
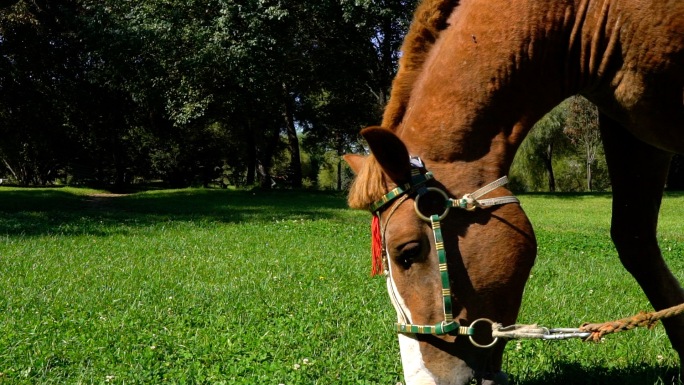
{"points": [[70, 211], [236, 287]]}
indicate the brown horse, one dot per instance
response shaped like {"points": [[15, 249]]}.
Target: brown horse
{"points": [[473, 79]]}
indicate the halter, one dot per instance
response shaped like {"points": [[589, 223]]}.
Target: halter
{"points": [[468, 202]]}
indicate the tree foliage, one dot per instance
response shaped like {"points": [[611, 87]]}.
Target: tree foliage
{"points": [[270, 92], [114, 91], [583, 130], [563, 151], [545, 142]]}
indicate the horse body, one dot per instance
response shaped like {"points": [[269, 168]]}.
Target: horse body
{"points": [[470, 86]]}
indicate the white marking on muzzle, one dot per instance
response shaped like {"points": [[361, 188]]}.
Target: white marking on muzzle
{"points": [[415, 372]]}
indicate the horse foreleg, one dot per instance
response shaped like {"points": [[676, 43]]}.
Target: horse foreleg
{"points": [[638, 173]]}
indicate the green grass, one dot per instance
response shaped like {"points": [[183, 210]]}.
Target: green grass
{"points": [[577, 278], [235, 287]]}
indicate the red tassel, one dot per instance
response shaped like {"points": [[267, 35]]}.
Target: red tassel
{"points": [[376, 246]]}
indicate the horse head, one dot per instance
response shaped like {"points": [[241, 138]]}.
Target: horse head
{"points": [[452, 264]]}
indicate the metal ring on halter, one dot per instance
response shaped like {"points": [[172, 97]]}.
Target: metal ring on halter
{"points": [[483, 346], [446, 204]]}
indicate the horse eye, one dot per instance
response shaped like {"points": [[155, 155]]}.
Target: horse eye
{"points": [[408, 254]]}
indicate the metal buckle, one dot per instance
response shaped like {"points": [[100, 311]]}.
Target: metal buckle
{"points": [[479, 345], [427, 191]]}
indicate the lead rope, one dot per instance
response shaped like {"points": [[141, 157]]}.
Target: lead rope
{"points": [[590, 332], [647, 320]]}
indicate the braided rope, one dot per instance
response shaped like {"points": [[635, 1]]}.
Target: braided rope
{"points": [[642, 319]]}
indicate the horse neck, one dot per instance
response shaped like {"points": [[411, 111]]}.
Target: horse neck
{"points": [[484, 83]]}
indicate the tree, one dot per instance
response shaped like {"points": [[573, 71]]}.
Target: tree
{"points": [[7, 3], [583, 130], [383, 24], [543, 144], [187, 90], [357, 60], [37, 80]]}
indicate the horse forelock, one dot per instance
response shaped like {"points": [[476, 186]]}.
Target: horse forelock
{"points": [[369, 185], [429, 20]]}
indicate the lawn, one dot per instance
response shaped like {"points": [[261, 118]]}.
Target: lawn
{"points": [[239, 287]]}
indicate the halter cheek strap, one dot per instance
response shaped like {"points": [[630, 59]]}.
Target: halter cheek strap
{"points": [[448, 326], [467, 202]]}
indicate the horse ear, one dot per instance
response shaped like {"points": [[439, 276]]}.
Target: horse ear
{"points": [[390, 152]]}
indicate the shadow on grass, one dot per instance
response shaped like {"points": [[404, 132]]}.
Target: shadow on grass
{"points": [[45, 211], [63, 211], [575, 374]]}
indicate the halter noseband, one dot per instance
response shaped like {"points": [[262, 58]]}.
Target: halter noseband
{"points": [[468, 202]]}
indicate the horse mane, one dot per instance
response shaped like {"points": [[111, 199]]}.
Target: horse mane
{"points": [[429, 20]]}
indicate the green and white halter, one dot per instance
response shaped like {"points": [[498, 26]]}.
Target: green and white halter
{"points": [[417, 187]]}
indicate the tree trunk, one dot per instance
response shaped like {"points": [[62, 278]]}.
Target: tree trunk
{"points": [[548, 164], [250, 178], [265, 179], [265, 158], [589, 180], [14, 174], [295, 161], [340, 152], [591, 157], [339, 174]]}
